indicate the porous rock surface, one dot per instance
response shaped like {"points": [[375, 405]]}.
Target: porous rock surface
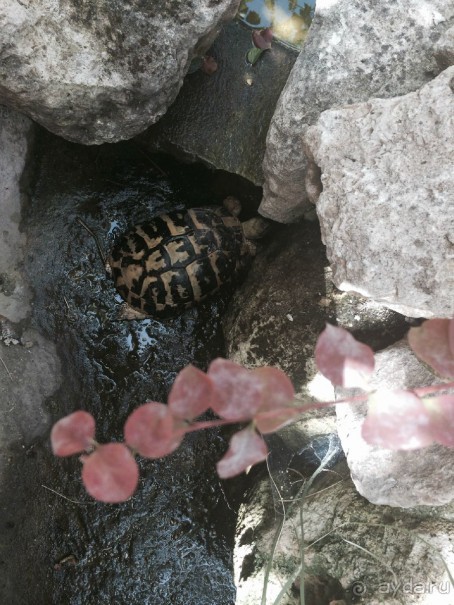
{"points": [[376, 554], [101, 72], [396, 478], [444, 49], [387, 207], [356, 49], [29, 375]]}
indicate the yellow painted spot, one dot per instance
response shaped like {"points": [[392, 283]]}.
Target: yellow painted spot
{"points": [[191, 270], [130, 274], [155, 261], [198, 224], [151, 242], [177, 252], [197, 248], [173, 228], [147, 282], [166, 280]]}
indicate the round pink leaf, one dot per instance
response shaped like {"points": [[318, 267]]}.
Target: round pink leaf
{"points": [[73, 434], [342, 359], [397, 420], [433, 343], [277, 388], [191, 393], [246, 448], [110, 473], [271, 421], [262, 39], [237, 391], [152, 431], [441, 410]]}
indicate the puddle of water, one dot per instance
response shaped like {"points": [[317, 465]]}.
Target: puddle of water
{"points": [[171, 543], [289, 19]]}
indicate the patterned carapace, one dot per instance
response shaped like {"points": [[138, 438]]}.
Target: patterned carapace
{"points": [[168, 264]]}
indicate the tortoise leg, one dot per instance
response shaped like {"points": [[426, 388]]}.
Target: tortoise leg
{"points": [[126, 313]]}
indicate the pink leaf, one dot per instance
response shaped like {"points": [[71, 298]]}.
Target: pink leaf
{"points": [[277, 392], [342, 359], [277, 389], [152, 430], [271, 421], [110, 473], [262, 39], [451, 336], [246, 448], [238, 393], [73, 434], [441, 411], [191, 393], [397, 420], [433, 343], [209, 65]]}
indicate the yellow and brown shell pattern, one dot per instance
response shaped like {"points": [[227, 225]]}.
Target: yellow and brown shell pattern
{"points": [[172, 262]]}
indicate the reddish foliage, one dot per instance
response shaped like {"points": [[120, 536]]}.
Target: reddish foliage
{"points": [[342, 359], [238, 394], [397, 420], [110, 473], [73, 434], [152, 430], [246, 448], [262, 39], [433, 343], [191, 394]]}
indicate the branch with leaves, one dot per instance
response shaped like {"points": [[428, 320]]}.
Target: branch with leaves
{"points": [[264, 398]]}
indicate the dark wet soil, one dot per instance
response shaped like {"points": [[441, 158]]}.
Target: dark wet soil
{"points": [[171, 544]]}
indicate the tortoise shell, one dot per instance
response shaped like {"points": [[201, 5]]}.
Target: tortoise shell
{"points": [[172, 262]]}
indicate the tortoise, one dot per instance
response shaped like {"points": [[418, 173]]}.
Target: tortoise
{"points": [[168, 264]]}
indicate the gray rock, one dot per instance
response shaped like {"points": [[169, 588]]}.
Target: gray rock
{"points": [[277, 314], [223, 119], [386, 210], [376, 553], [29, 365], [407, 478], [101, 72], [356, 49], [444, 49]]}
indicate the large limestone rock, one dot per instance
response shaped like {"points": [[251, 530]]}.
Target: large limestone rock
{"points": [[387, 207], [100, 72], [356, 49], [444, 49], [408, 478]]}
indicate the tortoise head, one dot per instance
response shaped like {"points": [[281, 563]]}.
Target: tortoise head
{"points": [[256, 227], [232, 205]]}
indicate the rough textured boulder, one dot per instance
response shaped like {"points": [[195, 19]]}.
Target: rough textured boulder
{"points": [[223, 119], [356, 49], [409, 478], [444, 49], [405, 550], [386, 210], [100, 72]]}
